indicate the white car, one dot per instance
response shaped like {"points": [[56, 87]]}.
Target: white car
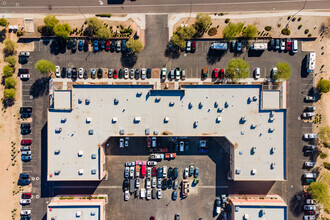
{"points": [[131, 172], [143, 73], [163, 73], [126, 141], [257, 73], [177, 74], [282, 45], [185, 173], [153, 141], [274, 72], [172, 74], [126, 195], [149, 172], [131, 73], [57, 73], [137, 182], [148, 194], [81, 73], [164, 171], [153, 182], [126, 73], [181, 146], [24, 53], [308, 114], [126, 172], [152, 163], [25, 76], [309, 207], [26, 212], [188, 46], [148, 183], [121, 142], [26, 152], [25, 201], [159, 182], [143, 193], [310, 136], [159, 193]]}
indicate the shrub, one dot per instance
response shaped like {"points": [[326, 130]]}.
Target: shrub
{"points": [[8, 71], [227, 20], [300, 26], [306, 31], [285, 31], [3, 22], [10, 82], [103, 15], [289, 17], [268, 28], [294, 19], [250, 31], [326, 165], [126, 31], [50, 22], [299, 19], [323, 85], [62, 30], [121, 26], [309, 35], [20, 33], [319, 191], [9, 94], [323, 155], [213, 31], [232, 30], [10, 46], [11, 60], [202, 23], [326, 144]]}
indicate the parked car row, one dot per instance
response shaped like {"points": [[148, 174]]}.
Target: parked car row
{"points": [[220, 203], [24, 179], [23, 57], [309, 207], [26, 150], [284, 45], [97, 45]]}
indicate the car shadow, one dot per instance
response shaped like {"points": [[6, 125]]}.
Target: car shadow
{"points": [[173, 54], [128, 59]]}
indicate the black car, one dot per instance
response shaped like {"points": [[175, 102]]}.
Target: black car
{"points": [[25, 110], [233, 45], [63, 73], [125, 185], [102, 44], [272, 44], [26, 217], [164, 183], [23, 60], [170, 183], [112, 46], [148, 73], [120, 73], [74, 73], [99, 73], [175, 173], [86, 74], [24, 176], [25, 131], [24, 182], [170, 172], [25, 125], [69, 44], [137, 74], [277, 44], [174, 195], [74, 44]]}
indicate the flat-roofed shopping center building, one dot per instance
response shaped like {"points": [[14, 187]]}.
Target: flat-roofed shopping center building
{"points": [[81, 120]]}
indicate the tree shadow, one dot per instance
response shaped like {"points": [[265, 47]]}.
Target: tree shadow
{"points": [[8, 103], [128, 59], [214, 56], [2, 35], [297, 203], [173, 54], [40, 87]]}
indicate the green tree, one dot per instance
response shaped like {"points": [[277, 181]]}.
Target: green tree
{"points": [[3, 22], [45, 66], [10, 82], [323, 86], [232, 30], [103, 33], [8, 71], [9, 93], [62, 30], [319, 191], [50, 22], [237, 69], [250, 32], [136, 46], [283, 71], [10, 46], [95, 24], [181, 35], [11, 60], [203, 22]]}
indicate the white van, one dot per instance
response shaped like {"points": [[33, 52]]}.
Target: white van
{"points": [[257, 73], [295, 46], [310, 175]]}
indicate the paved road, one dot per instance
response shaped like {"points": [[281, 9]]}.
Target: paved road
{"points": [[153, 6]]}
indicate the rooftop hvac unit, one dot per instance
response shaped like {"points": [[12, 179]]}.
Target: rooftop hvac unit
{"points": [[271, 119], [172, 103], [243, 119], [216, 104], [54, 218], [196, 123], [139, 93], [92, 213], [272, 150], [253, 126], [166, 119], [271, 129], [93, 156], [226, 104], [155, 132], [88, 120], [246, 216], [254, 98], [190, 105], [122, 131], [58, 130], [114, 119], [137, 119], [57, 152], [272, 114], [79, 100], [80, 153], [200, 105], [87, 101], [91, 132], [78, 214], [253, 150], [63, 119], [157, 99], [93, 171], [147, 131], [81, 172], [238, 171], [272, 166], [253, 171], [219, 119], [116, 100], [57, 172]]}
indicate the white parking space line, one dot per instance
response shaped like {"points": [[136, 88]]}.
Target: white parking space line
{"points": [[87, 187]]}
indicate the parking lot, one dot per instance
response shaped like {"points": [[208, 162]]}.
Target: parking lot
{"points": [[213, 167]]}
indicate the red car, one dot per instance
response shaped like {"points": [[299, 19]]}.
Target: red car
{"points": [[154, 171], [107, 45], [193, 46], [216, 72], [115, 74], [86, 45], [310, 212], [288, 44], [26, 195], [26, 142], [222, 73]]}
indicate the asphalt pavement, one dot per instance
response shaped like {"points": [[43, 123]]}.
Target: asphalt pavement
{"points": [[157, 6]]}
